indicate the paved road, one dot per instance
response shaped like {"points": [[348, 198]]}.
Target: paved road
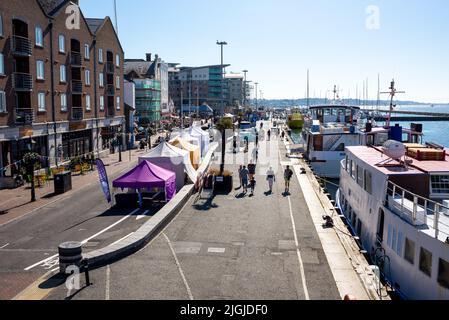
{"points": [[233, 247], [27, 243]]}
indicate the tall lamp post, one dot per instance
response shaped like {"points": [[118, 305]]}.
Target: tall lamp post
{"points": [[244, 89], [221, 44], [257, 102]]}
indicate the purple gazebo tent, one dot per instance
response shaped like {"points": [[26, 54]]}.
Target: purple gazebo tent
{"points": [[146, 176]]}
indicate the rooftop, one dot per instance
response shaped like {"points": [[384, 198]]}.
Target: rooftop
{"points": [[373, 156]]}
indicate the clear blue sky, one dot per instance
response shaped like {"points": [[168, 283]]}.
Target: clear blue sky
{"points": [[278, 40]]}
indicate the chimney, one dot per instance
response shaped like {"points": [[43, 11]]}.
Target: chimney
{"points": [[148, 57]]}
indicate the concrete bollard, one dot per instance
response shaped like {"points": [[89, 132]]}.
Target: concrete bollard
{"points": [[70, 253]]}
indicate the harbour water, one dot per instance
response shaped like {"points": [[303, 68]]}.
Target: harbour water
{"points": [[437, 132]]}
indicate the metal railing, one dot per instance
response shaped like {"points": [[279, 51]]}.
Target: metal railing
{"points": [[110, 67], [110, 112], [24, 116], [416, 210], [77, 86], [22, 81], [76, 58], [77, 113], [21, 46], [110, 90]]}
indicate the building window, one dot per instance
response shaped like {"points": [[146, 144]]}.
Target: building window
{"points": [[443, 273], [62, 73], [86, 52], [100, 55], [101, 79], [440, 184], [101, 103], [39, 37], [117, 60], [40, 74], [41, 101], [118, 103], [61, 43], [368, 182], [87, 77], [88, 102], [409, 252], [425, 262], [63, 102], [117, 82], [1, 25], [2, 101], [2, 64]]}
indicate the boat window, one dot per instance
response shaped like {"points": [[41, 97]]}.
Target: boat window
{"points": [[360, 176], [425, 262], [440, 184], [327, 112], [393, 244], [359, 228], [368, 182], [390, 235], [409, 254], [443, 273], [353, 170], [341, 147], [354, 221], [400, 243], [350, 213], [346, 163]]}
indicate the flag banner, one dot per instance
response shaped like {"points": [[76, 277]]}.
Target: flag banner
{"points": [[104, 180]]}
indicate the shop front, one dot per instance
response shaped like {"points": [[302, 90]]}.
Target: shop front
{"points": [[76, 143]]}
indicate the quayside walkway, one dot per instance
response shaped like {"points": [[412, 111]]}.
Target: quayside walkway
{"points": [[229, 247]]}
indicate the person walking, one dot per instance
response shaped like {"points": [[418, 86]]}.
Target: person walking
{"points": [[257, 139], [251, 169], [256, 154], [269, 135], [244, 174], [288, 173], [240, 175], [283, 134], [252, 184], [271, 178], [234, 144]]}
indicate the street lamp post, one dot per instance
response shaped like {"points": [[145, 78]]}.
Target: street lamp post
{"points": [[257, 102], [244, 89], [221, 44]]}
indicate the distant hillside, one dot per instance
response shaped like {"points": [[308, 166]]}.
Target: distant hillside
{"points": [[284, 103]]}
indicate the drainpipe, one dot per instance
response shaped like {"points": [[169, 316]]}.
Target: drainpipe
{"points": [[94, 45], [52, 79]]}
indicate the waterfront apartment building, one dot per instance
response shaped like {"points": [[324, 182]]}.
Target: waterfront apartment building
{"points": [[60, 87], [235, 84], [151, 84], [196, 86]]}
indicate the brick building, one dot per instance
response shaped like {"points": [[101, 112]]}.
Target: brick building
{"points": [[61, 83]]}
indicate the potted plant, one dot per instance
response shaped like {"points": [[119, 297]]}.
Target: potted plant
{"points": [[223, 180]]}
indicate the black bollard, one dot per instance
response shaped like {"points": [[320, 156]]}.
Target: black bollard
{"points": [[85, 265]]}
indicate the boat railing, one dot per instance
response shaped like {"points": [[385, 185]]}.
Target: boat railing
{"points": [[417, 210]]}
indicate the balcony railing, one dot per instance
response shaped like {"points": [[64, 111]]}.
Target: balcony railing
{"points": [[110, 112], [21, 46], [24, 116], [76, 60], [110, 67], [418, 211], [77, 113], [110, 90], [22, 81], [77, 86]]}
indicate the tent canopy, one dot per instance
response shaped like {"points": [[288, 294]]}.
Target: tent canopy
{"points": [[174, 159], [148, 175], [194, 150], [203, 136]]}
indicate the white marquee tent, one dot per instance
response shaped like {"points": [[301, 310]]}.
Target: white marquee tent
{"points": [[174, 159]]}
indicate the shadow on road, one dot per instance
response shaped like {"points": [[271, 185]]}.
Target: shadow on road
{"points": [[206, 205]]}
